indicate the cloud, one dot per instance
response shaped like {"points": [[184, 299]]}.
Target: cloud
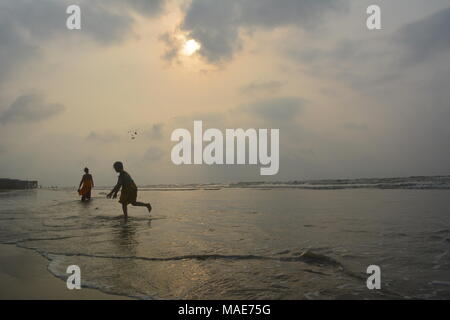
{"points": [[155, 132], [262, 86], [29, 108], [149, 8], [13, 48], [216, 24], [153, 154], [425, 38], [35, 21], [173, 46], [355, 126], [370, 62], [276, 110], [26, 25], [105, 137]]}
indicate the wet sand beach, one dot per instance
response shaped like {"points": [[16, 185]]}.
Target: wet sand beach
{"points": [[24, 276]]}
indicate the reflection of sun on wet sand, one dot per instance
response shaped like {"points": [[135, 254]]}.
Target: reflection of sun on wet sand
{"points": [[24, 275]]}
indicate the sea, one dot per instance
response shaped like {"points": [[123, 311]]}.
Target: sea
{"points": [[248, 240]]}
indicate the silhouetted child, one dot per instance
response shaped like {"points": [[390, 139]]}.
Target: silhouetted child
{"points": [[128, 194], [88, 184]]}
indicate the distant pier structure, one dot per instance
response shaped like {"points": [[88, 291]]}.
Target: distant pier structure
{"points": [[17, 184]]}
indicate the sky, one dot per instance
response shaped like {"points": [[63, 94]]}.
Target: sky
{"points": [[349, 102]]}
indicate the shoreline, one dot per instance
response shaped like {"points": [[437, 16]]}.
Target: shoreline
{"points": [[24, 276]]}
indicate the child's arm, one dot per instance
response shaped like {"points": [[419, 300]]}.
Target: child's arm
{"points": [[116, 189]]}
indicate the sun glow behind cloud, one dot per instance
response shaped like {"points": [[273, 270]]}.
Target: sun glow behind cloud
{"points": [[190, 47]]}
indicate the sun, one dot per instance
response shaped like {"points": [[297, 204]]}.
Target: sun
{"points": [[190, 47]]}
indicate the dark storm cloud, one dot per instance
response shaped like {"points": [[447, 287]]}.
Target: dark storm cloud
{"points": [[424, 38], [216, 24], [276, 110], [28, 109]]}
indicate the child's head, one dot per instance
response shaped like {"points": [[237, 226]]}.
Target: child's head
{"points": [[118, 166], [86, 170]]}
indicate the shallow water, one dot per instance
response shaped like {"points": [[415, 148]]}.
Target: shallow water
{"points": [[242, 243]]}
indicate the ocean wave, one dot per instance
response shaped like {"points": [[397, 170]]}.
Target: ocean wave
{"points": [[307, 256], [414, 182]]}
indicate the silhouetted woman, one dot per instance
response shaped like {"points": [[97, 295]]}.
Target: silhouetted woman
{"points": [[88, 184]]}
